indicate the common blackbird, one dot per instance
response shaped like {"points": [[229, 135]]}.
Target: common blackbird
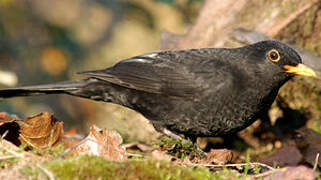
{"points": [[197, 92]]}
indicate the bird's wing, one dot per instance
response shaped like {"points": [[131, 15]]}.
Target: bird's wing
{"points": [[152, 73]]}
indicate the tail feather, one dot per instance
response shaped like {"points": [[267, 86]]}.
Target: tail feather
{"points": [[55, 88]]}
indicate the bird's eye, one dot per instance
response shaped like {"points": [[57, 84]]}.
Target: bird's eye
{"points": [[274, 55]]}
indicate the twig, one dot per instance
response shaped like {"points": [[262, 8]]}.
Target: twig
{"points": [[232, 165], [47, 172], [21, 155], [316, 161], [73, 137], [7, 157], [9, 147], [75, 146], [267, 173]]}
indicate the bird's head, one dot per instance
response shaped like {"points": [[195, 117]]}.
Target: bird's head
{"points": [[279, 57]]}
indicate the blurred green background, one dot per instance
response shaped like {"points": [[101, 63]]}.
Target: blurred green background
{"points": [[45, 41]]}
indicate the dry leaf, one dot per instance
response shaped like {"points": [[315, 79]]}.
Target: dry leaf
{"points": [[161, 156], [41, 131], [103, 143], [286, 156], [216, 156]]}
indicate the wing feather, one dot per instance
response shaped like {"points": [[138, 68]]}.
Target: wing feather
{"points": [[151, 73]]}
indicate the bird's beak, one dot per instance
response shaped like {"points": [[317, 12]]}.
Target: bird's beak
{"points": [[300, 69]]}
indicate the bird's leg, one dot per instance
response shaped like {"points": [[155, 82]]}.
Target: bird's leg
{"points": [[171, 134], [265, 122], [177, 137]]}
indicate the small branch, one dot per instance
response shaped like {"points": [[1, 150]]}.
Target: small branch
{"points": [[316, 161], [47, 172], [75, 146], [6, 157], [16, 154], [233, 165], [267, 173]]}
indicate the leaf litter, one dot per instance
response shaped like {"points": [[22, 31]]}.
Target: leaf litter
{"points": [[45, 131]]}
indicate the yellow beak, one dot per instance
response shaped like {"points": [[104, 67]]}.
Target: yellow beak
{"points": [[300, 69]]}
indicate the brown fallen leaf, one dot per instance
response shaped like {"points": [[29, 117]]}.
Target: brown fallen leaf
{"points": [[287, 155], [293, 173], [218, 157], [102, 143], [40, 131], [215, 156], [162, 156]]}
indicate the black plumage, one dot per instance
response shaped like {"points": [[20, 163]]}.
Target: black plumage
{"points": [[197, 92]]}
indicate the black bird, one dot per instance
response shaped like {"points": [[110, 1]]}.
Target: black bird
{"points": [[197, 92]]}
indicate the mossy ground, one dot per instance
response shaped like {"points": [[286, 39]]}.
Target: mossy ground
{"points": [[93, 167], [178, 148], [43, 164]]}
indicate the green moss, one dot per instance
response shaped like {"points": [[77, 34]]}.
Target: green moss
{"points": [[93, 167], [316, 126], [5, 163], [8, 159], [178, 148], [54, 151]]}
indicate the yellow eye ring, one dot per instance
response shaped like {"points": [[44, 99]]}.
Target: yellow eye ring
{"points": [[273, 55]]}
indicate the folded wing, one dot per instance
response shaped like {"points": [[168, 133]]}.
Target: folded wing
{"points": [[151, 73]]}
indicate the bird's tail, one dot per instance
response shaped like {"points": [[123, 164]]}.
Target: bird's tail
{"points": [[67, 87]]}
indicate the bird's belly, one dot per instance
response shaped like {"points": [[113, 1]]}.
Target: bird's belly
{"points": [[215, 118], [205, 122], [203, 117]]}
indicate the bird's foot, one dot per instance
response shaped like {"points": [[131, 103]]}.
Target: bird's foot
{"points": [[177, 137]]}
